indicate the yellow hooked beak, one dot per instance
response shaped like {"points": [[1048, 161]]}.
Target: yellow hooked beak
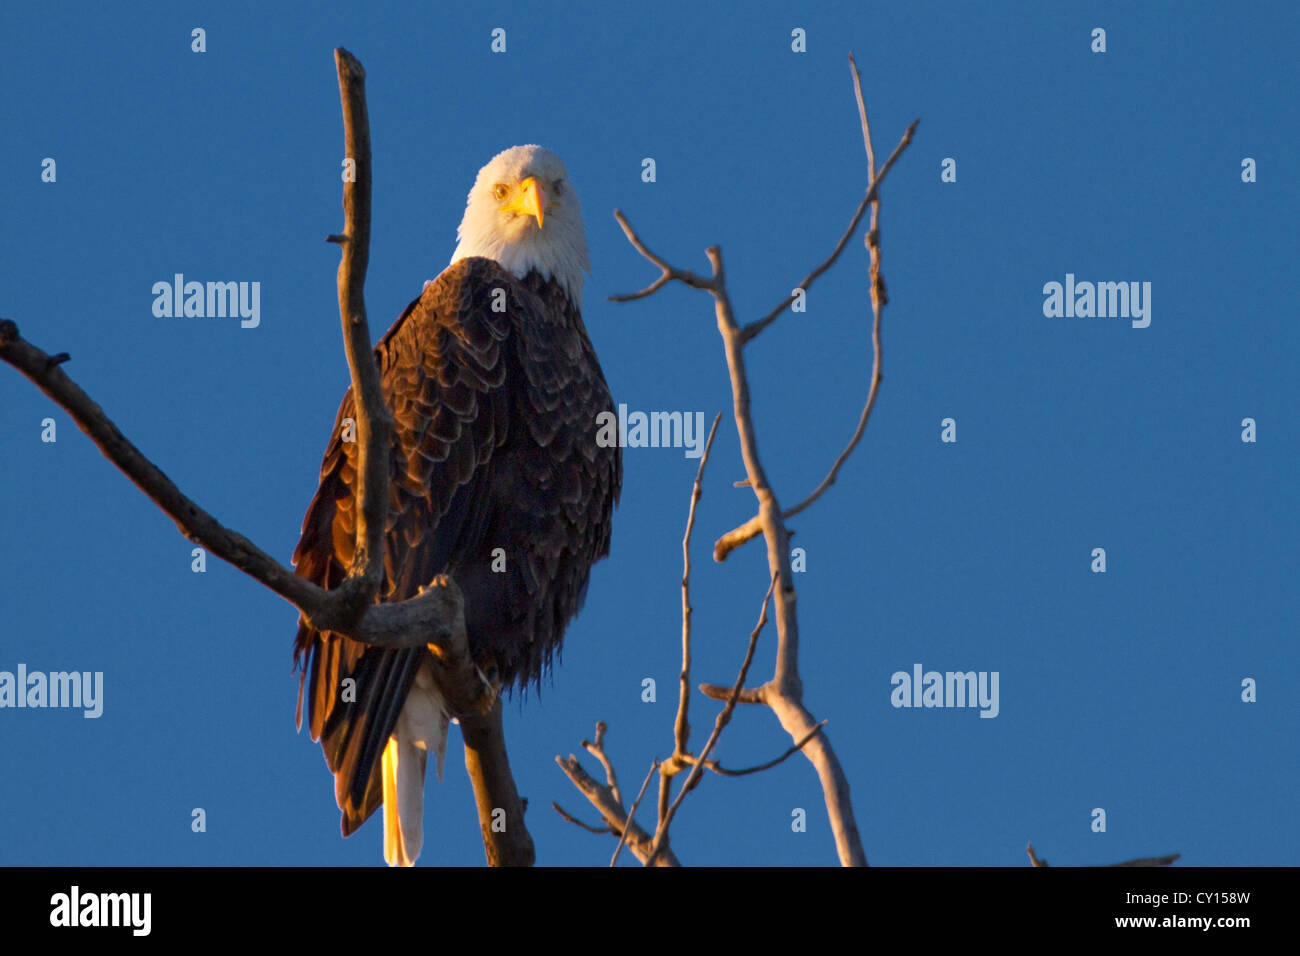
{"points": [[530, 201]]}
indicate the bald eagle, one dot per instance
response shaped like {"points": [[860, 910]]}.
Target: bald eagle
{"points": [[495, 478]]}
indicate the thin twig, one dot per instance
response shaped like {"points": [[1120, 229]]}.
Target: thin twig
{"points": [[754, 328], [682, 727], [791, 751], [753, 527], [722, 720], [748, 695], [631, 814], [862, 116], [597, 750], [878, 301], [668, 273], [574, 820], [600, 797]]}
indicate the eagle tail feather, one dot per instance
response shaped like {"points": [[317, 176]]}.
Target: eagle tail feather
{"points": [[421, 727]]}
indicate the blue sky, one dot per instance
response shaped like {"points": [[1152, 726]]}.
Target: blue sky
{"points": [[1119, 690]]}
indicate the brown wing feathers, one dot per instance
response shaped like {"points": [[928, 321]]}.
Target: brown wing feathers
{"points": [[493, 447]]}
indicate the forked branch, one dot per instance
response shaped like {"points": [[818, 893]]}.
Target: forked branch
{"points": [[783, 692]]}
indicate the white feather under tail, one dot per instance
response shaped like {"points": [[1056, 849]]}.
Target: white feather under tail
{"points": [[421, 727]]}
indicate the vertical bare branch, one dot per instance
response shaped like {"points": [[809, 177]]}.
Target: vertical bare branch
{"points": [[862, 117], [374, 421], [494, 789], [878, 301], [723, 718], [485, 751], [682, 728], [784, 692]]}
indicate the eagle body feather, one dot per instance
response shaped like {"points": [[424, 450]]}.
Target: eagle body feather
{"points": [[495, 478]]}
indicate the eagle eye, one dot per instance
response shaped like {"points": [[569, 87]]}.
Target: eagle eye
{"points": [[500, 191], [558, 186]]}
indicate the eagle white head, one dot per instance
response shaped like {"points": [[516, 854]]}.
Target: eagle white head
{"points": [[524, 213]]}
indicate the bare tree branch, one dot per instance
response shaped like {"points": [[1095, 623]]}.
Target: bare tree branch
{"points": [[193, 522], [783, 693], [601, 797], [737, 536], [752, 528], [748, 695], [575, 821], [682, 728], [1035, 860], [488, 766], [597, 750], [723, 718], [374, 421], [681, 759], [754, 328], [665, 792], [434, 617], [862, 118], [631, 814], [486, 760], [878, 301], [668, 272], [790, 751]]}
